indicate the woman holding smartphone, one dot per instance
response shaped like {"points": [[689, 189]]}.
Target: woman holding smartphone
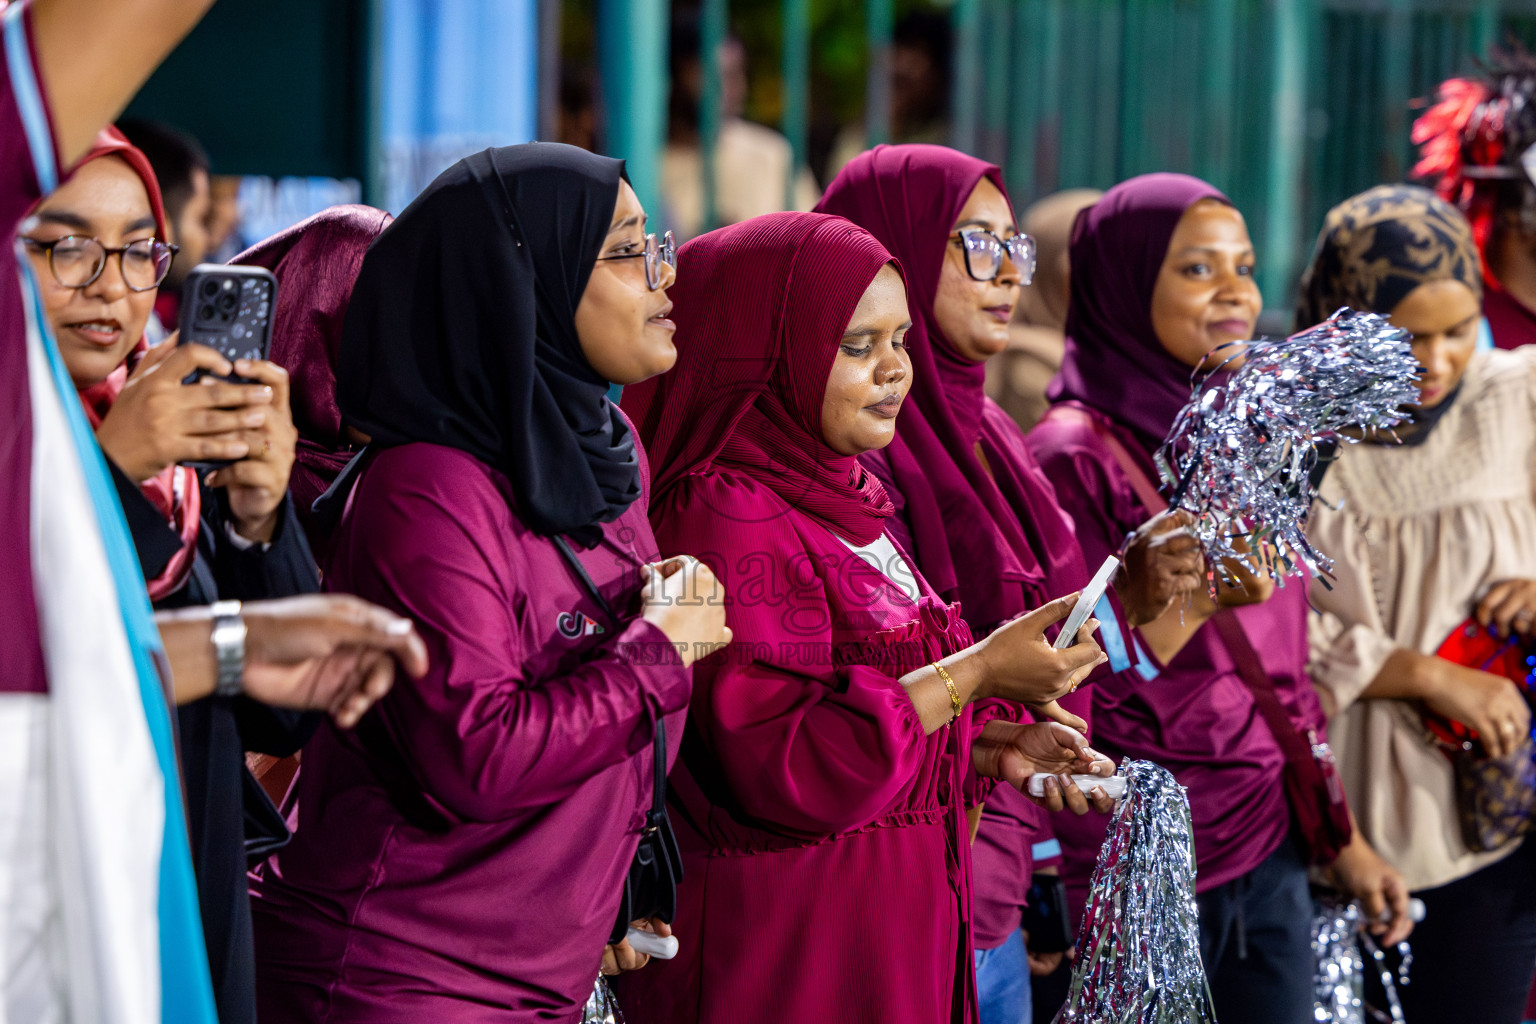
{"points": [[832, 751], [462, 856], [98, 254]]}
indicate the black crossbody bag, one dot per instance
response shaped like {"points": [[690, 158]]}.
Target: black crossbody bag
{"points": [[650, 888]]}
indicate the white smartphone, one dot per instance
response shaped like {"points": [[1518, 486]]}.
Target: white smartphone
{"points": [[1112, 785], [1087, 601]]}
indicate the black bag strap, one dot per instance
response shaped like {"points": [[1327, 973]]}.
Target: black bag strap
{"points": [[658, 811]]}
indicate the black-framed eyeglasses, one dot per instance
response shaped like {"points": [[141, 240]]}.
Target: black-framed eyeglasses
{"points": [[984, 254], [78, 260], [656, 253]]}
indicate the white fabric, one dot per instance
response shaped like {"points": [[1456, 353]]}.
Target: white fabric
{"points": [[882, 554], [30, 938], [109, 794]]}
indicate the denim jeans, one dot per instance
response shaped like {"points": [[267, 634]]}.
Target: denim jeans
{"points": [[1256, 941], [1002, 982]]}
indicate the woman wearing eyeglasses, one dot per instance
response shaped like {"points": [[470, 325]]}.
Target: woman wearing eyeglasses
{"points": [[98, 254], [973, 506], [463, 857]]}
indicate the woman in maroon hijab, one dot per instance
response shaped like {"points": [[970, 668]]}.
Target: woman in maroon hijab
{"points": [[972, 504], [832, 751], [1162, 274], [316, 263]]}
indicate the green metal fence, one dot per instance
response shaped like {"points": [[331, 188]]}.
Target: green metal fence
{"points": [[1287, 105]]}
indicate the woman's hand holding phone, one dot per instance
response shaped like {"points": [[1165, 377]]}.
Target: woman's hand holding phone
{"points": [[257, 484], [1019, 664], [158, 421]]}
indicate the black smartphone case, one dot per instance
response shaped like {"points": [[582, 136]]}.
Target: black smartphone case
{"points": [[229, 309]]}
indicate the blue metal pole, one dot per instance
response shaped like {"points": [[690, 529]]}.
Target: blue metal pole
{"points": [[632, 55], [965, 95], [880, 27], [1287, 110], [797, 75], [712, 29]]}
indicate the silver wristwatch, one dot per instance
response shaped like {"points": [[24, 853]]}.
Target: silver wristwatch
{"points": [[229, 648]]}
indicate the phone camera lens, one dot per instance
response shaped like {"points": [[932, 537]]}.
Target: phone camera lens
{"points": [[205, 313], [227, 302], [210, 288]]}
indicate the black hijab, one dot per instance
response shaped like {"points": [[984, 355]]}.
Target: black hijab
{"points": [[462, 332]]}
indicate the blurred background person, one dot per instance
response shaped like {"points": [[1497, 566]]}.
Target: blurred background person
{"points": [[224, 218], [577, 110], [1473, 146], [181, 167], [1018, 376], [922, 75], [752, 162]]}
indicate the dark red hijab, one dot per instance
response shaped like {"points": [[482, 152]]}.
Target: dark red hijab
{"points": [[996, 541], [1114, 362], [760, 309], [316, 263]]}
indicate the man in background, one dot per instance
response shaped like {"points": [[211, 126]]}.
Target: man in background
{"points": [[753, 163], [182, 168]]}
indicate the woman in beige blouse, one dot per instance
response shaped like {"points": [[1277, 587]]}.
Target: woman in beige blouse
{"points": [[1424, 534]]}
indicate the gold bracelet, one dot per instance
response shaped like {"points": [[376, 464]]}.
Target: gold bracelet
{"points": [[954, 694]]}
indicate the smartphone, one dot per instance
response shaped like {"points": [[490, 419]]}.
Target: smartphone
{"points": [[1087, 601], [229, 309]]}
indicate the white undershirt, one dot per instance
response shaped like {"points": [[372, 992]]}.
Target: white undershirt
{"points": [[881, 554]]}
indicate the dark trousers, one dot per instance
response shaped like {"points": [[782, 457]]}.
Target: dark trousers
{"points": [[1256, 941], [1474, 951]]}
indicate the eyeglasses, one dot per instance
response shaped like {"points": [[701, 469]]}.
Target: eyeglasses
{"points": [[656, 253], [984, 254], [78, 260]]}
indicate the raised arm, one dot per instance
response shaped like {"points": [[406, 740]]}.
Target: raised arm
{"points": [[93, 55]]}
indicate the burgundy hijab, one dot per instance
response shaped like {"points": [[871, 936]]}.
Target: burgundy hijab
{"points": [[996, 540], [1114, 362], [760, 309], [316, 263]]}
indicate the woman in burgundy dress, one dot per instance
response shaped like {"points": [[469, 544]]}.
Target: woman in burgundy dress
{"points": [[833, 749], [972, 505]]}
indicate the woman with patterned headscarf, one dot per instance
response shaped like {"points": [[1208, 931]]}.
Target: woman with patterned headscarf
{"points": [[1425, 534]]}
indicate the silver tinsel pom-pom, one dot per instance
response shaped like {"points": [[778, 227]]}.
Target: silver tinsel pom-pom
{"points": [[602, 1007], [1242, 452], [1138, 951], [1345, 953]]}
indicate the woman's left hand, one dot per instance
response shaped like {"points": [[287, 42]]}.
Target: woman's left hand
{"points": [[1380, 888], [1509, 607], [620, 956], [1014, 751], [257, 484]]}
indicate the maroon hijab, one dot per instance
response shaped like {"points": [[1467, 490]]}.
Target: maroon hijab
{"points": [[760, 309], [316, 263], [1114, 362], [996, 541]]}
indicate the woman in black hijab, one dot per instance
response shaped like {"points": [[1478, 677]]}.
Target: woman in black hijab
{"points": [[461, 857]]}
